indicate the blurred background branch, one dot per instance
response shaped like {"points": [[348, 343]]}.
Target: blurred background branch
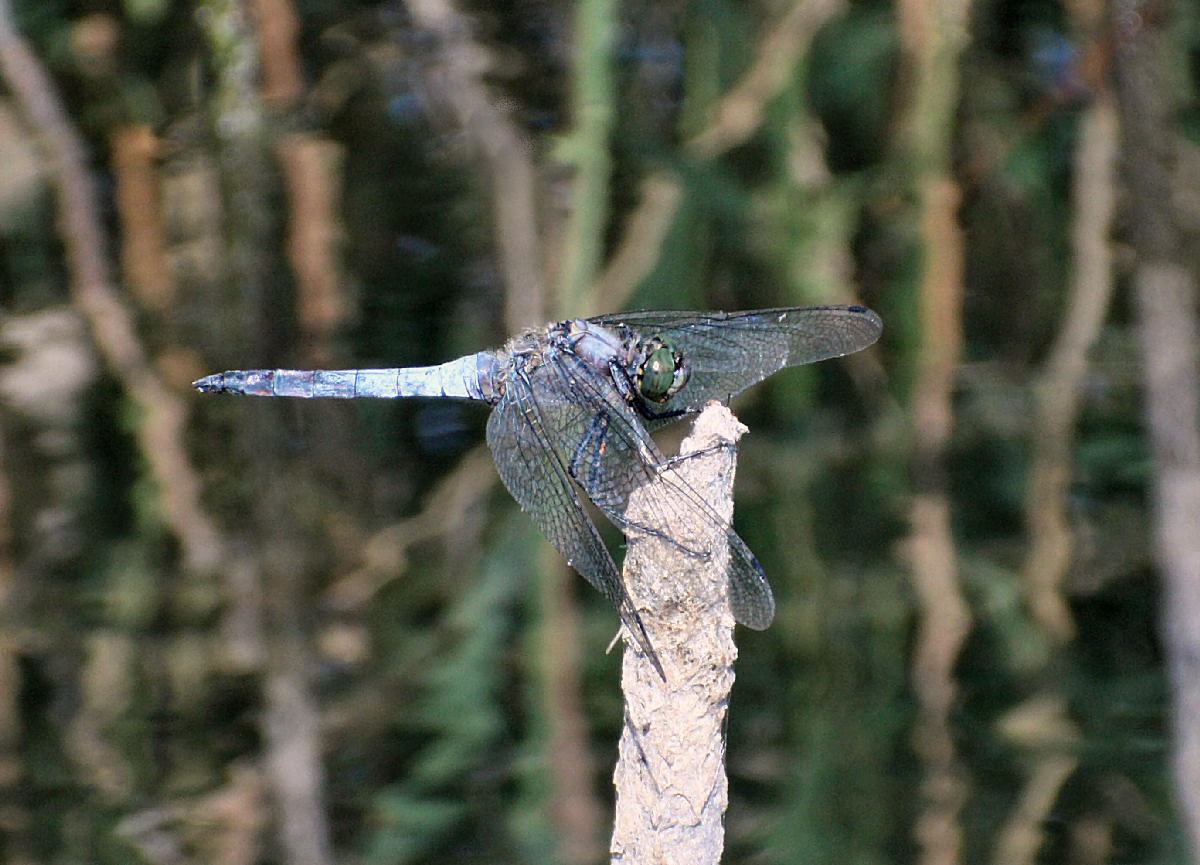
{"points": [[1164, 293], [932, 38]]}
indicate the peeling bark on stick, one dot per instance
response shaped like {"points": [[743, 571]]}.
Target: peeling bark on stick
{"points": [[672, 790]]}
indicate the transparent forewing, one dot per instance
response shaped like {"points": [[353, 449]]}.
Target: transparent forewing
{"points": [[608, 452], [728, 352], [530, 468]]}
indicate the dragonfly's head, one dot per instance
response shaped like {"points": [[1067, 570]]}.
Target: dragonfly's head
{"points": [[661, 371]]}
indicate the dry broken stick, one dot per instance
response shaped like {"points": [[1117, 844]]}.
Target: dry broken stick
{"points": [[670, 777]]}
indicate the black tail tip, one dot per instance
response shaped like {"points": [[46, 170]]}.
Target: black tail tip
{"points": [[210, 383]]}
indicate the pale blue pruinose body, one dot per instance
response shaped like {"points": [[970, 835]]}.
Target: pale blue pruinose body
{"points": [[573, 405]]}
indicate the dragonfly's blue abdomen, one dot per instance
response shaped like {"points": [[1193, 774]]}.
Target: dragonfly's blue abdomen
{"points": [[470, 377]]}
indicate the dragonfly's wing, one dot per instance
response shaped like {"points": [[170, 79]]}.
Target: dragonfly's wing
{"points": [[729, 351], [750, 596], [603, 445], [532, 470]]}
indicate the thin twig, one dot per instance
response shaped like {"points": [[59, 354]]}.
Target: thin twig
{"points": [[933, 33], [386, 551], [1056, 393], [1040, 727], [740, 112]]}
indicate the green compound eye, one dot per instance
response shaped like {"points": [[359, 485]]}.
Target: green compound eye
{"points": [[662, 374]]}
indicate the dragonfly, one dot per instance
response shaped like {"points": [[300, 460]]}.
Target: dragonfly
{"points": [[573, 407]]}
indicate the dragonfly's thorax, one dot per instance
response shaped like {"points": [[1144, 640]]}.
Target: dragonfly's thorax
{"points": [[651, 366], [597, 346], [532, 349]]}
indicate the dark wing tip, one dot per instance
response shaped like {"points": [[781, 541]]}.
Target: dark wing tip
{"points": [[866, 313], [868, 323]]}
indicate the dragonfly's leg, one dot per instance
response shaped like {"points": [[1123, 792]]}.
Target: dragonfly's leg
{"points": [[623, 385], [671, 463], [649, 414], [612, 644], [585, 467], [582, 466]]}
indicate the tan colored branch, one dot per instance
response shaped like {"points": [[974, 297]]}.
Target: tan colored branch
{"points": [[226, 826], [291, 728], [1056, 393], [740, 112], [945, 616], [135, 151], [576, 812], [275, 27], [932, 34], [386, 552], [12, 771], [311, 173], [945, 623], [1165, 295], [640, 246], [1041, 727], [672, 789]]}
